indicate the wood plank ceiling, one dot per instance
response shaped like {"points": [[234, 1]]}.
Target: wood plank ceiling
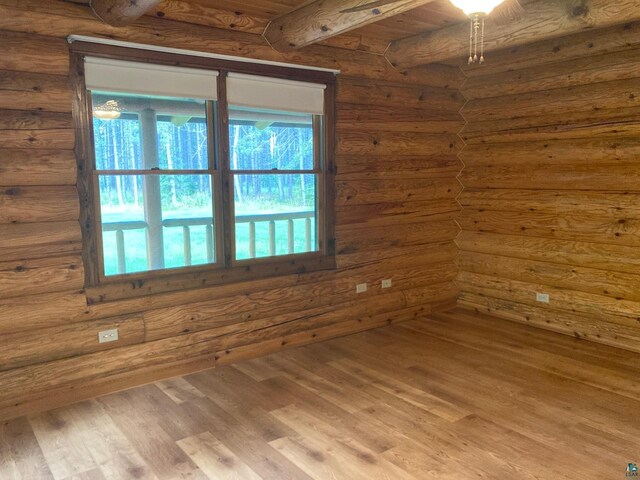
{"points": [[409, 33], [254, 16]]}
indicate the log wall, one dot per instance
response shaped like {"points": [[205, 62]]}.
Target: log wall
{"points": [[396, 187], [551, 186]]}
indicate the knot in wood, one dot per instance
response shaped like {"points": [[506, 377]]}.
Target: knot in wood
{"points": [[580, 10]]}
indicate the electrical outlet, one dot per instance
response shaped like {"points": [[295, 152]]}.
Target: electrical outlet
{"points": [[361, 288], [542, 297], [108, 336], [386, 283]]}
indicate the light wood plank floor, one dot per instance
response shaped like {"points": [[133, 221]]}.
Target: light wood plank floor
{"points": [[458, 396]]}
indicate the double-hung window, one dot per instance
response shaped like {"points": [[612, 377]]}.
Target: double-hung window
{"points": [[202, 168], [275, 133]]}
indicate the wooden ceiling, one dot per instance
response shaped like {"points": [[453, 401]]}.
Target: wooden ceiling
{"points": [[253, 16], [408, 33]]}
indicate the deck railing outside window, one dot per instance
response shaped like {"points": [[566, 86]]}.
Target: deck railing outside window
{"points": [[186, 223]]}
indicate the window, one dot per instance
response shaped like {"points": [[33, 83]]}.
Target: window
{"points": [[275, 133], [275, 178], [205, 170], [155, 183]]}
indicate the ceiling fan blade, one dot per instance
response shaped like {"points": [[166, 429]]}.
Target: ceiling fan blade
{"points": [[507, 12], [367, 6]]}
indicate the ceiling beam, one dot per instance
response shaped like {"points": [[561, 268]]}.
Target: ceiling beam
{"points": [[541, 20], [121, 12], [323, 19]]}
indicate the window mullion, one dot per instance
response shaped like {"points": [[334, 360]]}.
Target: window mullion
{"points": [[226, 195], [214, 176]]}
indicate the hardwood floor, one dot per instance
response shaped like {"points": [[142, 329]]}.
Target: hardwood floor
{"points": [[458, 396]]}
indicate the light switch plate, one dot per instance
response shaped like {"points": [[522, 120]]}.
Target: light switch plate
{"points": [[361, 288], [386, 283]]}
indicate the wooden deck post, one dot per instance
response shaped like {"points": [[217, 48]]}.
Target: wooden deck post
{"points": [[151, 188]]}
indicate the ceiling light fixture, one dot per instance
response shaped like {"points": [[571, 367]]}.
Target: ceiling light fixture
{"points": [[109, 110], [476, 10]]}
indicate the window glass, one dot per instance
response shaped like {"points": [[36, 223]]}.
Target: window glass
{"points": [[275, 214], [268, 140], [152, 220], [124, 238], [182, 141], [187, 220], [180, 128], [117, 142]]}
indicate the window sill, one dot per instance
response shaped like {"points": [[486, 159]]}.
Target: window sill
{"points": [[165, 281]]}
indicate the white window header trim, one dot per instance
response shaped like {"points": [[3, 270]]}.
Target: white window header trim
{"points": [[180, 51]]}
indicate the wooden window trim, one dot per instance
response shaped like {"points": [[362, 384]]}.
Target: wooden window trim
{"points": [[100, 288]]}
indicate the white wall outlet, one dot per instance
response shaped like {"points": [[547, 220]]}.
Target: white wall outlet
{"points": [[542, 297], [386, 283], [108, 336], [361, 288]]}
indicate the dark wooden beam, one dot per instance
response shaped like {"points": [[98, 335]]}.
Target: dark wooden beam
{"points": [[323, 19], [121, 12], [541, 20]]}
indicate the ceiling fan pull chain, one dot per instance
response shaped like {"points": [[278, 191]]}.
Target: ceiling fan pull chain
{"points": [[482, 44], [475, 34], [470, 41]]}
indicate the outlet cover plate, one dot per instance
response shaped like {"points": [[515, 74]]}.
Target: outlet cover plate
{"points": [[542, 297], [386, 283], [361, 288], [106, 336]]}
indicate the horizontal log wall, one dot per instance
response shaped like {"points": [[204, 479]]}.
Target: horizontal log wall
{"points": [[551, 186], [396, 187]]}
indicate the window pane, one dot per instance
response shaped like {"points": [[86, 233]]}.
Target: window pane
{"points": [[151, 222], [182, 141], [275, 214], [124, 233], [187, 218], [117, 143], [267, 140], [174, 130]]}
